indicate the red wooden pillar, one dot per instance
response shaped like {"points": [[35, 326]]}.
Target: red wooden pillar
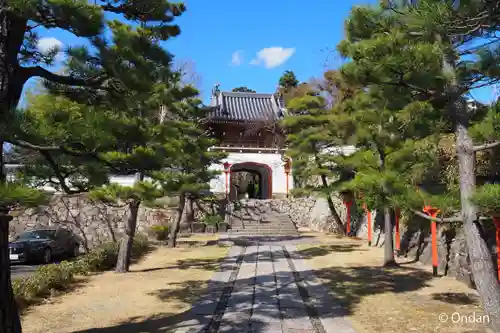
{"points": [[433, 212], [397, 236], [348, 205], [287, 166], [496, 219], [369, 224], [227, 169]]}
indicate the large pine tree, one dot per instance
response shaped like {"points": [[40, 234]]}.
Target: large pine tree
{"points": [[114, 61], [436, 52]]}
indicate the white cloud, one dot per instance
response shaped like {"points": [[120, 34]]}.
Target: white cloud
{"points": [[45, 45], [273, 56], [237, 58]]}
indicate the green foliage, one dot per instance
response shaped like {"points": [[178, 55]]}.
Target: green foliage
{"points": [[487, 198], [15, 194], [160, 232], [61, 276], [243, 89], [288, 80], [115, 194], [212, 219]]}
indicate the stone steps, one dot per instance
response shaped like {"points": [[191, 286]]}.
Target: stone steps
{"points": [[257, 218]]}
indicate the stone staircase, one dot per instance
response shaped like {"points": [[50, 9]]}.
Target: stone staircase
{"points": [[258, 218]]}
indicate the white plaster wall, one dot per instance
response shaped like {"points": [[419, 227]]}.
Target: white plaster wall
{"points": [[274, 161]]}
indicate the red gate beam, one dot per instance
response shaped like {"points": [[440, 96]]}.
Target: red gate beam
{"points": [[433, 212]]}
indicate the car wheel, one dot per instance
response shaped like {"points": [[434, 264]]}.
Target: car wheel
{"points": [[47, 256]]}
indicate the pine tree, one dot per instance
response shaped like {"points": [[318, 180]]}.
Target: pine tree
{"points": [[309, 141], [424, 50], [190, 174], [112, 63], [142, 133], [243, 89], [288, 80]]}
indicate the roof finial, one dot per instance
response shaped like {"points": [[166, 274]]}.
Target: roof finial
{"points": [[216, 90]]}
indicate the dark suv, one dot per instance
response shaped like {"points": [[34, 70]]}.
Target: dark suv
{"points": [[42, 245]]}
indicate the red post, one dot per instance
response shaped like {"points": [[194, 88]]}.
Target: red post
{"points": [[397, 235], [433, 212], [227, 182], [496, 219], [369, 223], [227, 169], [348, 224], [287, 166], [286, 175]]}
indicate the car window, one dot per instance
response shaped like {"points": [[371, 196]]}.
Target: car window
{"points": [[37, 234]]}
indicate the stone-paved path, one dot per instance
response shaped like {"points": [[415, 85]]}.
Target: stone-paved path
{"points": [[265, 288]]}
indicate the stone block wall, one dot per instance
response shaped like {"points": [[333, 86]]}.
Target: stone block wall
{"points": [[93, 223]]}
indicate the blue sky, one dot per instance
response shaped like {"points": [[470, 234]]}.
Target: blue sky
{"points": [[240, 43]]}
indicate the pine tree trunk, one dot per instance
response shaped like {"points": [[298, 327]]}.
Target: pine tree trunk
{"points": [[125, 252], [174, 230], [388, 242], [483, 269], [331, 205], [9, 315], [188, 213], [12, 80]]}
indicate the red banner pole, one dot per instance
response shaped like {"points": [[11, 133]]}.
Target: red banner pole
{"points": [[397, 235], [369, 223], [227, 182], [496, 219], [433, 212], [348, 226], [286, 175]]}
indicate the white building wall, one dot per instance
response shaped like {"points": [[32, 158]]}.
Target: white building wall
{"points": [[274, 161]]}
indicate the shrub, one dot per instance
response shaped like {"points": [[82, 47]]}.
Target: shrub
{"points": [[45, 279], [60, 276], [160, 232], [212, 220]]}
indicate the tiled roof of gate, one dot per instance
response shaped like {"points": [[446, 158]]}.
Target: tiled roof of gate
{"points": [[242, 106]]}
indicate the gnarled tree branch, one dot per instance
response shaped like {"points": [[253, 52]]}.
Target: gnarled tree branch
{"points": [[38, 71]]}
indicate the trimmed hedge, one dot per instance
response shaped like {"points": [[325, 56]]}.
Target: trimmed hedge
{"points": [[58, 277]]}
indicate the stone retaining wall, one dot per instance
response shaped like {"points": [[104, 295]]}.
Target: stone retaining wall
{"points": [[93, 223], [96, 224]]}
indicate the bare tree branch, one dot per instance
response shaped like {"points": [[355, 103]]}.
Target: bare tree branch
{"points": [[487, 146], [437, 219]]}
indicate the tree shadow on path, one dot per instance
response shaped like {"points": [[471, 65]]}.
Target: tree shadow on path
{"points": [[347, 285]]}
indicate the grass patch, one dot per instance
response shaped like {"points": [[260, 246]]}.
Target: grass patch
{"points": [[152, 297], [51, 280]]}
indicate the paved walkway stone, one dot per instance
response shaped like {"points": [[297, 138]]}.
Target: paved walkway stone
{"points": [[265, 287]]}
